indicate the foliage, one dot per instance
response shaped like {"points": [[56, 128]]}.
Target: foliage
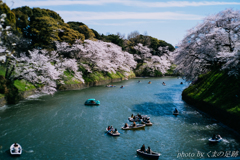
{"points": [[155, 44], [44, 31], [23, 85], [2, 71], [116, 39], [218, 89], [83, 29], [41, 68], [97, 35], [10, 16], [134, 38], [69, 78], [12, 94], [66, 34], [210, 44], [231, 60], [3, 86], [43, 51], [154, 65], [171, 71], [98, 56], [43, 26], [95, 77]]}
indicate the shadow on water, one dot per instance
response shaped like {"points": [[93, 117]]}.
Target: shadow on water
{"points": [[154, 109], [165, 96]]}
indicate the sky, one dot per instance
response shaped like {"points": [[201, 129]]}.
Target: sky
{"points": [[162, 19]]}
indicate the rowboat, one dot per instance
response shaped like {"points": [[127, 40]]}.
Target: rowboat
{"points": [[137, 119], [92, 102], [175, 113], [112, 133], [146, 123], [152, 155], [134, 120], [138, 126], [16, 149], [215, 140], [110, 86]]}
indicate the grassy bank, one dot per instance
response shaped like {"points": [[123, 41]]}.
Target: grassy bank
{"points": [[141, 71], [217, 94], [95, 77], [217, 89]]}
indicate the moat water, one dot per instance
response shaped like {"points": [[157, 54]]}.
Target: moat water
{"points": [[62, 127]]}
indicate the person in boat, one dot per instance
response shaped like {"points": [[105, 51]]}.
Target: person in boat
{"points": [[15, 149], [214, 137], [147, 120], [93, 102], [149, 150], [109, 128], [175, 111], [126, 125], [143, 148], [116, 131], [218, 137], [139, 116], [132, 116], [134, 124]]}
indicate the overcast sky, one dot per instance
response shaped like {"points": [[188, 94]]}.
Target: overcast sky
{"points": [[165, 20]]}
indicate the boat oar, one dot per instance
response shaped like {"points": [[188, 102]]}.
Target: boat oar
{"points": [[108, 131], [30, 151]]}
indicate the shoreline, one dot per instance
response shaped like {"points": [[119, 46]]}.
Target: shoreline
{"points": [[223, 118], [78, 86]]}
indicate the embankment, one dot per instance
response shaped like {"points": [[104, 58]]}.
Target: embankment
{"points": [[94, 79], [217, 94]]}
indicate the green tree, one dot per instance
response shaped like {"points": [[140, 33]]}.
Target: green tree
{"points": [[116, 39], [66, 34], [82, 28], [42, 27], [44, 31], [97, 35], [10, 16]]}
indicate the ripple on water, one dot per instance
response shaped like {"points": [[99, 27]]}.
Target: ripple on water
{"points": [[3, 108], [212, 126], [60, 126], [35, 96]]}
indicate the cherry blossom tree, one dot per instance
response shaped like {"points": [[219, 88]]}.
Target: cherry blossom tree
{"points": [[42, 69], [153, 63], [98, 56], [198, 51], [231, 61]]}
